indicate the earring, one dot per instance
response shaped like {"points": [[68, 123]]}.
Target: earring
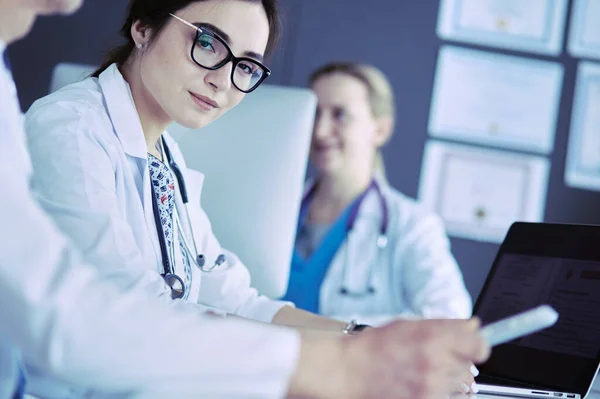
{"points": [[139, 45]]}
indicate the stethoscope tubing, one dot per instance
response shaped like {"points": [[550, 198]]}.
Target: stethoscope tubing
{"points": [[167, 254], [382, 239]]}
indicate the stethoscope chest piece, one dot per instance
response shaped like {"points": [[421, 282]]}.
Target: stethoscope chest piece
{"points": [[369, 289], [346, 292], [175, 283]]}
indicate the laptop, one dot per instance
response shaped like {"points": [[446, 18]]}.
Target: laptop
{"points": [[542, 263], [254, 159]]}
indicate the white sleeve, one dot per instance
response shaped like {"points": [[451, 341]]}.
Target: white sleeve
{"points": [[431, 277], [70, 320]]}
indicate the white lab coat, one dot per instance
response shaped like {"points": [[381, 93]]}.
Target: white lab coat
{"points": [[91, 174], [415, 276], [71, 320]]}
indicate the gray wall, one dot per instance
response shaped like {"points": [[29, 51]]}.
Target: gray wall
{"points": [[396, 35]]}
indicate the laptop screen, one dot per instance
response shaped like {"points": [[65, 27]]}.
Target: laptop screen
{"points": [[564, 357]]}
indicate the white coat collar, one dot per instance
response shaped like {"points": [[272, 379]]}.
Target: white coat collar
{"points": [[311, 182], [122, 112]]}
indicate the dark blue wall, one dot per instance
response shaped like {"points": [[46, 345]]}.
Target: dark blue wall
{"points": [[396, 35]]}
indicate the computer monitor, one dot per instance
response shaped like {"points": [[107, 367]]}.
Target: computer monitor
{"points": [[66, 73], [254, 159]]}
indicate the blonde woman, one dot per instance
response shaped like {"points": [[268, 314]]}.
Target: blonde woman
{"points": [[364, 250]]}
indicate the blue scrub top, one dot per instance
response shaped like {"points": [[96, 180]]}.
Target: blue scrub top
{"points": [[307, 274]]}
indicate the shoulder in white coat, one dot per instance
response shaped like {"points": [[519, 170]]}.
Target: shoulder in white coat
{"points": [[75, 156], [415, 275], [432, 278]]}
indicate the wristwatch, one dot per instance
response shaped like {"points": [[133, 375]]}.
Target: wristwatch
{"points": [[353, 328]]}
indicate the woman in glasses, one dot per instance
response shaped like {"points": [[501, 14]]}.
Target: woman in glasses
{"points": [[113, 178], [363, 249]]}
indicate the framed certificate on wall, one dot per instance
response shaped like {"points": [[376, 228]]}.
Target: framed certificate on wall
{"points": [[497, 100], [584, 34], [480, 192], [583, 154], [535, 26]]}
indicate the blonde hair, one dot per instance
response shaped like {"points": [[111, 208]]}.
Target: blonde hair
{"points": [[381, 95]]}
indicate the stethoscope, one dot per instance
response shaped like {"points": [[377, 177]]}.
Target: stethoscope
{"points": [[171, 278], [382, 238]]}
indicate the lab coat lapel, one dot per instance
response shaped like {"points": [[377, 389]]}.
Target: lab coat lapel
{"points": [[128, 129], [122, 112]]}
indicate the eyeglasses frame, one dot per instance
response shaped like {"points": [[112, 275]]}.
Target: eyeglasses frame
{"points": [[230, 58]]}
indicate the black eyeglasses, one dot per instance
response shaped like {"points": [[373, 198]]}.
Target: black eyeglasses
{"points": [[211, 52]]}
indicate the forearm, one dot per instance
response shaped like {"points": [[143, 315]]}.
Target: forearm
{"points": [[293, 317], [319, 373], [145, 331]]}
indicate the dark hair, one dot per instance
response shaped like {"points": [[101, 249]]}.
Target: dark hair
{"points": [[155, 14]]}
